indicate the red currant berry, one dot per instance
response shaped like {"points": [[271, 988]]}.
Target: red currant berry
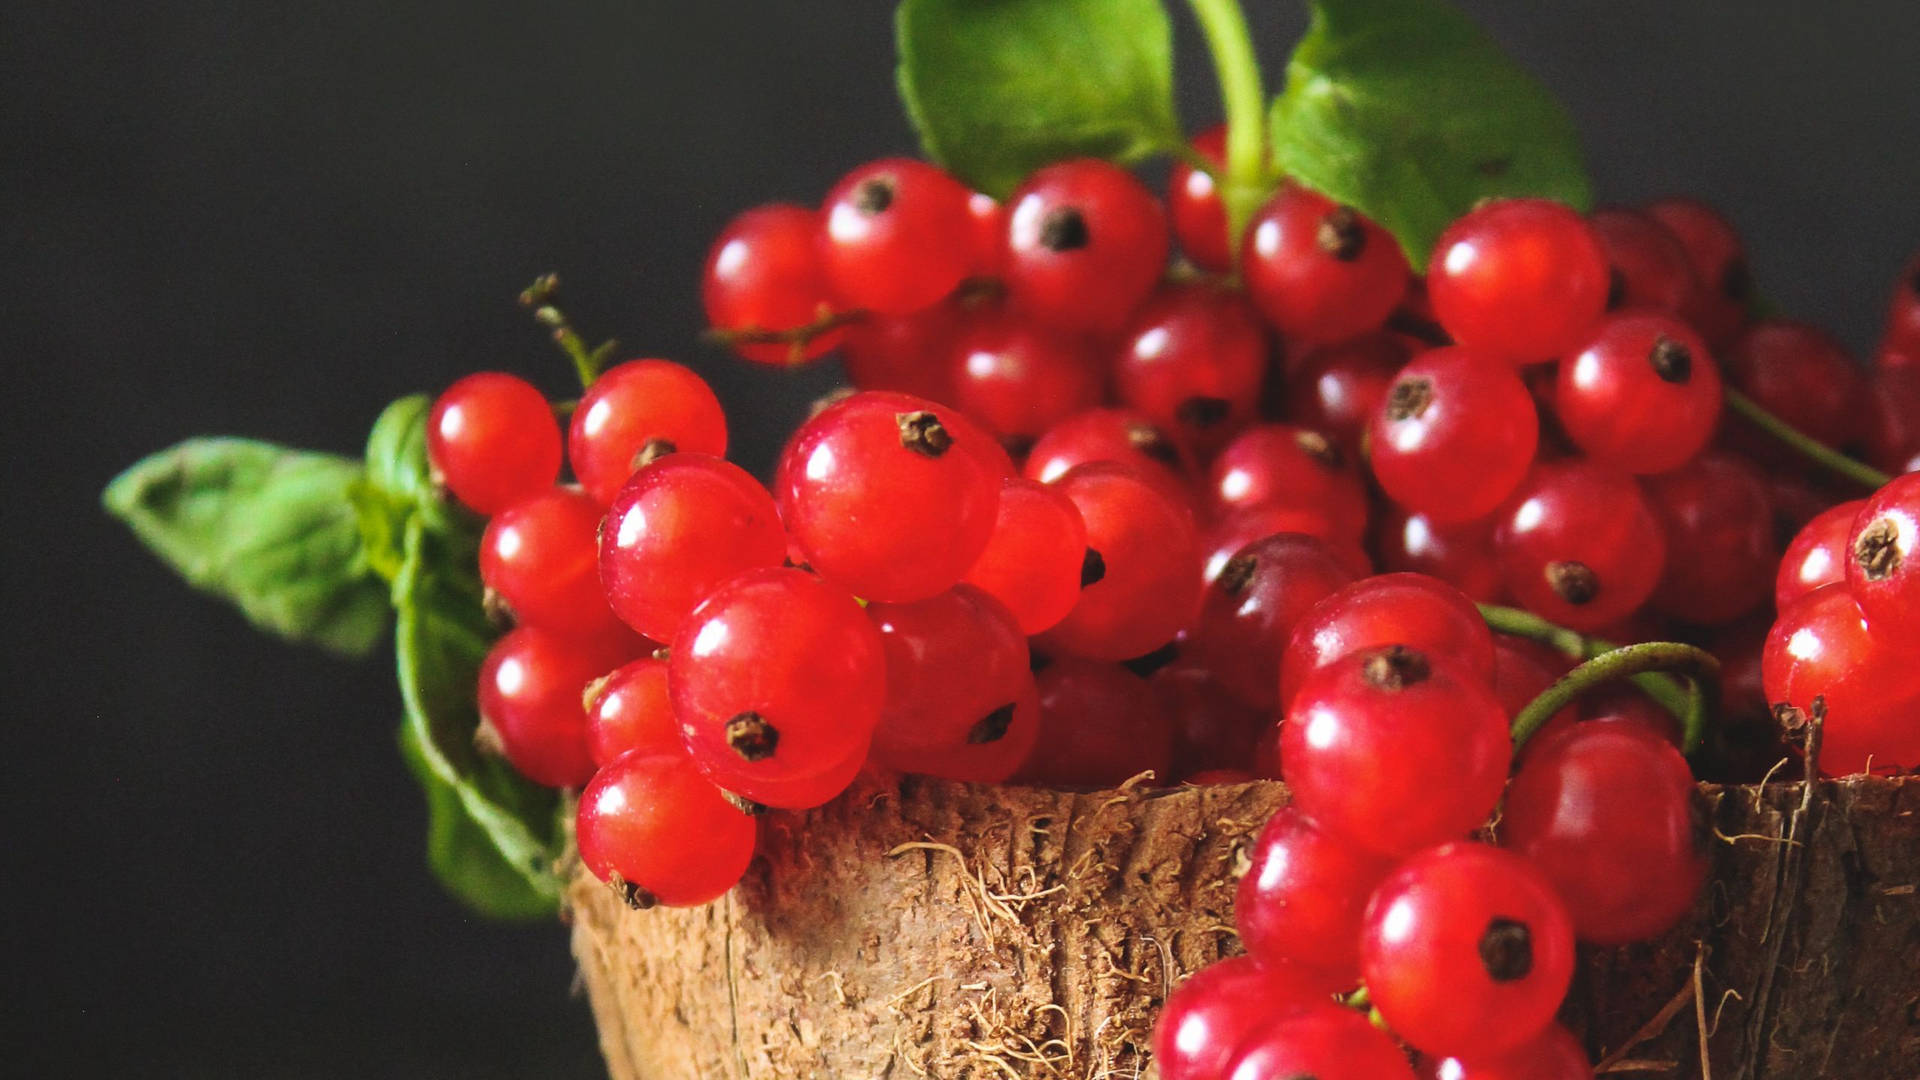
{"points": [[1249, 611], [1193, 362], [1321, 1041], [1555, 1055], [531, 688], [1035, 556], [1521, 279], [493, 441], [655, 829], [1608, 815], [1232, 531], [1335, 389], [1085, 244], [1719, 263], [1366, 735], [764, 276], [1642, 395], [961, 701], [1303, 895], [635, 413], [680, 527], [1522, 672], [1193, 203], [1100, 726], [1580, 545], [776, 677], [1460, 555], [1291, 467], [1893, 418], [895, 236], [1648, 266], [538, 562], [904, 352], [1017, 379], [1903, 314], [1392, 609], [1320, 271], [1801, 375], [1117, 435], [1467, 950], [1209, 1015], [1822, 648], [1818, 554], [1138, 588], [1454, 435], [988, 241], [630, 710], [1721, 553], [888, 495], [1883, 563], [1212, 730]]}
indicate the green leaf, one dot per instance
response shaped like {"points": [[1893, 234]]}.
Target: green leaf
{"points": [[508, 825], [998, 88], [399, 485], [1405, 110], [461, 853], [269, 528]]}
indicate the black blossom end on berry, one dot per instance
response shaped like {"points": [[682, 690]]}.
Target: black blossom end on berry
{"points": [[873, 196], [1319, 448], [1340, 234], [1877, 550], [1202, 412], [1150, 441], [664, 652], [651, 451], [1737, 281], [1573, 581], [1093, 568], [1506, 949], [494, 606], [1672, 361], [1395, 668], [749, 735], [1409, 399], [923, 433], [992, 727], [1237, 574], [1616, 288], [803, 566], [630, 894], [743, 804], [1064, 229]]}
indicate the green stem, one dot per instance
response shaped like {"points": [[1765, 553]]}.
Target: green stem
{"points": [[587, 363], [1358, 999], [1574, 645], [1700, 667], [1244, 186], [1810, 448]]}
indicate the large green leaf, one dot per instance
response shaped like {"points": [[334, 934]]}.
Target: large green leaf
{"points": [[462, 853], [1407, 111], [269, 528], [998, 88]]}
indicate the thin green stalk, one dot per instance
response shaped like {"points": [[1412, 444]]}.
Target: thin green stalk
{"points": [[587, 363], [1700, 667], [1667, 691], [1812, 449], [1244, 185]]}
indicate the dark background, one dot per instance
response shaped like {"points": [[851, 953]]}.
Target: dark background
{"points": [[271, 218]]}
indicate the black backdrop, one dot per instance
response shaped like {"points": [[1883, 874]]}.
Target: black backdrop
{"points": [[270, 218]]}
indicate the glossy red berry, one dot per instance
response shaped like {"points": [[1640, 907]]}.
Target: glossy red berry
{"points": [[539, 562], [888, 495], [1100, 726], [1648, 268], [1319, 271], [1194, 205], [680, 527], [1249, 611], [1209, 1015], [1335, 389], [764, 276], [1017, 378], [1414, 610], [631, 710], [1642, 394], [1454, 435], [1290, 467], [1800, 374], [1467, 950], [1119, 435], [1367, 736], [776, 677], [531, 687], [1085, 244], [961, 702], [637, 412], [1607, 813], [1303, 895], [492, 440], [1460, 554], [1892, 438], [1520, 279], [1138, 587], [1322, 1041], [988, 241], [1883, 564], [1193, 361], [1212, 730], [904, 353], [658, 831], [1822, 647], [1522, 672], [1721, 552], [895, 236], [1231, 531], [1719, 262], [1580, 544], [1035, 556], [1554, 1055]]}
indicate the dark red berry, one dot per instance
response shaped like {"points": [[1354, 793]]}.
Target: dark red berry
{"points": [[1336, 389], [1321, 1041], [1100, 726], [1303, 895], [1036, 555], [1319, 271], [1213, 730], [539, 561], [904, 353], [1293, 468], [1719, 262], [895, 236], [1454, 435], [1721, 552], [1642, 394], [1193, 361], [1883, 561], [1822, 648], [531, 688], [1250, 609], [1414, 610], [631, 710], [1085, 245], [764, 276], [1580, 544], [1139, 588], [1194, 205], [1893, 418], [1209, 1015], [1017, 378], [1520, 279], [1648, 266], [1231, 531], [1460, 554], [1801, 375], [659, 832], [634, 414], [492, 440]]}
